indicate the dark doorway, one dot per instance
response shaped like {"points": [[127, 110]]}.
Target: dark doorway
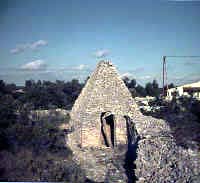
{"points": [[108, 129], [131, 154]]}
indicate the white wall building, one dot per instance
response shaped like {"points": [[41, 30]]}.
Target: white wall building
{"points": [[185, 90]]}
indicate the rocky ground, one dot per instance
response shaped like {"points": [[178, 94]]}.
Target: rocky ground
{"points": [[102, 164], [183, 124], [160, 158], [167, 151]]}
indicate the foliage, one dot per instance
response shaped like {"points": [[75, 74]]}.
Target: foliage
{"points": [[7, 119], [151, 89], [46, 94], [60, 94], [37, 149], [185, 104], [140, 91], [171, 85], [25, 165], [126, 80], [34, 149]]}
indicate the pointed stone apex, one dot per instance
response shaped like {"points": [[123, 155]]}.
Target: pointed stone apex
{"points": [[104, 92], [105, 63]]}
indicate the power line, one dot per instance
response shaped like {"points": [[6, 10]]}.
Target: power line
{"points": [[192, 56], [165, 67]]}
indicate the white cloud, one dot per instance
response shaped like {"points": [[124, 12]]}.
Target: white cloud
{"points": [[22, 47], [35, 65], [40, 70], [139, 69], [38, 43], [101, 53], [81, 67], [126, 74], [145, 77], [19, 48]]}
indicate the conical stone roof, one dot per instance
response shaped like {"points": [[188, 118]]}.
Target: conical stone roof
{"points": [[104, 91], [159, 158]]}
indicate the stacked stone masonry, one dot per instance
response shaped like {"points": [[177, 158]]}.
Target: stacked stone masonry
{"points": [[159, 159], [104, 91]]}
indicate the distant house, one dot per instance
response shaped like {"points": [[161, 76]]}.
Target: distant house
{"points": [[19, 91], [185, 90]]}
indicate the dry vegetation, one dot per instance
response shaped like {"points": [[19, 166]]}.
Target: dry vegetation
{"points": [[37, 150]]}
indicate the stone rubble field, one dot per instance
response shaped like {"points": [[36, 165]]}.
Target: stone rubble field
{"points": [[159, 158]]}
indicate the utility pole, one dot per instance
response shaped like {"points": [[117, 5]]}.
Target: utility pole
{"points": [[164, 74], [164, 70]]}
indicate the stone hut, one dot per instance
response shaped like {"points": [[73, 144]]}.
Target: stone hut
{"points": [[99, 115]]}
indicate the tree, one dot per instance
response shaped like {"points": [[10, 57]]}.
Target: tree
{"points": [[2, 87], [149, 89], [156, 90], [126, 80], [7, 111], [133, 92], [29, 84], [171, 85], [132, 83], [152, 89], [140, 90], [155, 84], [39, 83]]}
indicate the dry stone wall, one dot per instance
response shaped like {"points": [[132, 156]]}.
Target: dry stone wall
{"points": [[104, 91], [158, 158]]}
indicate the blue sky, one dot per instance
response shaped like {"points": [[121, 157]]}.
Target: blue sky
{"points": [[65, 39]]}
